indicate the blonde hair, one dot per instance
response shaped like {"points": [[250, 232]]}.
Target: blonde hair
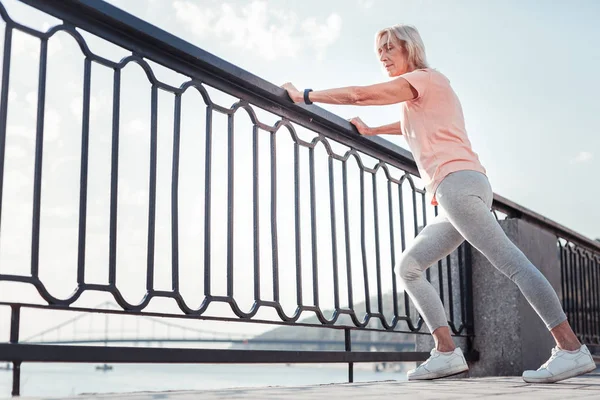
{"points": [[409, 38]]}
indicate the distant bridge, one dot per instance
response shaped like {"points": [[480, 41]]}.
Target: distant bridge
{"points": [[321, 343], [181, 334]]}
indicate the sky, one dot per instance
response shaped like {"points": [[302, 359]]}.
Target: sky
{"points": [[525, 72]]}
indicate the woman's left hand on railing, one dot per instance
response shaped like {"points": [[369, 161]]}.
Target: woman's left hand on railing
{"points": [[361, 127]]}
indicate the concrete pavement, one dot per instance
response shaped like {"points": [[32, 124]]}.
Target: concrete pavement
{"points": [[586, 387]]}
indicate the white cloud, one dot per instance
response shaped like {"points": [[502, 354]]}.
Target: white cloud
{"points": [[136, 128], [16, 151], [271, 33], [583, 156], [99, 107], [52, 122], [61, 212], [197, 19], [323, 36], [132, 197], [22, 132], [366, 3], [14, 181], [31, 100], [23, 43]]}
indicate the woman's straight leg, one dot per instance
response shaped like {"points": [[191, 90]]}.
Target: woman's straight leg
{"points": [[466, 197]]}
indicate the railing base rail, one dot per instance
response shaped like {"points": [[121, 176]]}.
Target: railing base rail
{"points": [[118, 354]]}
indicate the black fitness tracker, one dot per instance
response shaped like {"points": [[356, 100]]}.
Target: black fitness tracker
{"points": [[306, 99]]}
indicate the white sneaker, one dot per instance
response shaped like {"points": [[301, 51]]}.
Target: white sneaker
{"points": [[440, 365], [562, 365]]}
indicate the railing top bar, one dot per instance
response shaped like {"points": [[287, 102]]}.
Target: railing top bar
{"points": [[513, 209], [140, 36], [133, 33]]}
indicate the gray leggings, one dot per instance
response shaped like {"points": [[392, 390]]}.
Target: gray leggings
{"points": [[466, 199]]}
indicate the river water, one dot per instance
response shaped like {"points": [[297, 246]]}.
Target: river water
{"points": [[66, 379]]}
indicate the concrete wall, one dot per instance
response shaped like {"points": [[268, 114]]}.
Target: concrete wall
{"points": [[509, 335]]}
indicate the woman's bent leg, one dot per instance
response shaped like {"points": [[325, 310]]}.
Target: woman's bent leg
{"points": [[434, 242], [437, 239]]}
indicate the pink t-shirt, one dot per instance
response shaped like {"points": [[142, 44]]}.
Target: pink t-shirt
{"points": [[434, 127]]}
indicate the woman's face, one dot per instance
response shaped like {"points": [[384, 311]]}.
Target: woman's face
{"points": [[392, 56]]}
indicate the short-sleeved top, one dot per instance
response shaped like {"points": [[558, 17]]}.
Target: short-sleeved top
{"points": [[434, 127]]}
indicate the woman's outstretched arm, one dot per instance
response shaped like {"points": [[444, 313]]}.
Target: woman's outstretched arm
{"points": [[389, 129], [392, 92], [394, 128]]}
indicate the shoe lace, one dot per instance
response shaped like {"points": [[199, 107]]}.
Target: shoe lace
{"points": [[555, 352]]}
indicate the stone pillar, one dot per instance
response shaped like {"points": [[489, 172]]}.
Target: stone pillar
{"points": [[509, 335]]}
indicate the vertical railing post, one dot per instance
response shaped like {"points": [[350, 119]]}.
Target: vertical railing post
{"points": [[348, 341], [470, 323], [14, 339]]}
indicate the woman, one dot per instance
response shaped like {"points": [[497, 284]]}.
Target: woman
{"points": [[432, 122]]}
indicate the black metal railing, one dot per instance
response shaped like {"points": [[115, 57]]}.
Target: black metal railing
{"points": [[580, 271], [330, 210], [348, 209]]}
